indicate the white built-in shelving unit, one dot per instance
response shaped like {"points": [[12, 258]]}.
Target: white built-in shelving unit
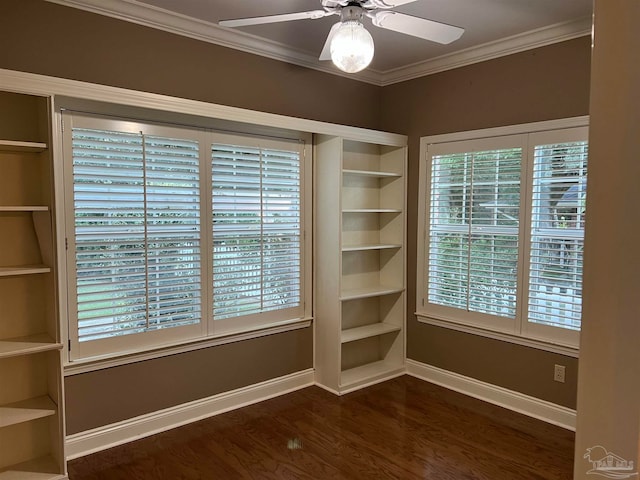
{"points": [[360, 260], [31, 412]]}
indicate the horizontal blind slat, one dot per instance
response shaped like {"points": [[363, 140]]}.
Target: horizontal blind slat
{"points": [[256, 230], [137, 214], [473, 245], [557, 224]]}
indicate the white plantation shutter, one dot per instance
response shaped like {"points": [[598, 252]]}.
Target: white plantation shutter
{"points": [[137, 232], [473, 230], [173, 231], [502, 214], [257, 230], [557, 234], [178, 233]]}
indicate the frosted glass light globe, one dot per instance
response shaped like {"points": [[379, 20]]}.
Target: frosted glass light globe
{"points": [[351, 47]]}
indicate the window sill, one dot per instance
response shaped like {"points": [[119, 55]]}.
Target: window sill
{"points": [[93, 364], [566, 350]]}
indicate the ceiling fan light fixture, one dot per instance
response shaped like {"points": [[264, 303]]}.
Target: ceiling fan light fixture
{"points": [[352, 47], [348, 43]]}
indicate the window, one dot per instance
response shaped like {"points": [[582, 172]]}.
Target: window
{"points": [[501, 231], [557, 232], [256, 230], [475, 203], [176, 234]]}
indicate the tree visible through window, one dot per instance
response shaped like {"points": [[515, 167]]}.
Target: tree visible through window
{"points": [[502, 229], [557, 234], [177, 233], [137, 232], [256, 230], [473, 244]]}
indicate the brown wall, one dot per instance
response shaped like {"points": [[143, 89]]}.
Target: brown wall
{"points": [[110, 395], [542, 84], [49, 39]]}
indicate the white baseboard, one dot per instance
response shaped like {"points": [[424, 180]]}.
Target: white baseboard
{"points": [[101, 438], [108, 436], [518, 402]]}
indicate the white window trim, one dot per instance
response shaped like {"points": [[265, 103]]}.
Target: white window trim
{"points": [[206, 333], [174, 348], [536, 336], [532, 330], [126, 343], [86, 96], [493, 322], [569, 351], [247, 322]]}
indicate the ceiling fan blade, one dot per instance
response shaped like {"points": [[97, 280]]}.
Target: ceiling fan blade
{"points": [[417, 27], [336, 3], [326, 50], [390, 3], [286, 17], [396, 3]]}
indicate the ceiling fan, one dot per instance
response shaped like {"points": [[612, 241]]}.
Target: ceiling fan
{"points": [[349, 45]]}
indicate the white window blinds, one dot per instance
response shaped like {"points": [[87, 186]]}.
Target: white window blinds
{"points": [[501, 224], [137, 232], [473, 234], [180, 233], [557, 234], [257, 230]]}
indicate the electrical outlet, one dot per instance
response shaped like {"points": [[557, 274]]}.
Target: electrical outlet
{"points": [[558, 373]]}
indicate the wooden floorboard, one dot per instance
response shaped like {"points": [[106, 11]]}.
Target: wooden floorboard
{"points": [[401, 429]]}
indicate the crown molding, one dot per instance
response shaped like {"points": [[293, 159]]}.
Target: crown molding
{"points": [[506, 46], [176, 23], [158, 18]]}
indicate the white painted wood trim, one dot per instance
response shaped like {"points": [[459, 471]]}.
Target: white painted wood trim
{"points": [[95, 440], [369, 381], [561, 344], [172, 22], [522, 128], [566, 350], [518, 402], [35, 84], [541, 37], [328, 389], [92, 364]]}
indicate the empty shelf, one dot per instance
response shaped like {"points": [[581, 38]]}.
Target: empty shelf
{"points": [[366, 331], [26, 410], [38, 469], [371, 372], [24, 208], [372, 246], [24, 475], [23, 270], [12, 347], [366, 292], [13, 146], [371, 173], [371, 210]]}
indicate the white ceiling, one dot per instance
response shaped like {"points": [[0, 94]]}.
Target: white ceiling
{"points": [[492, 28]]}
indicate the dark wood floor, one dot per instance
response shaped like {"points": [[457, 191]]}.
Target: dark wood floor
{"points": [[401, 429]]}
